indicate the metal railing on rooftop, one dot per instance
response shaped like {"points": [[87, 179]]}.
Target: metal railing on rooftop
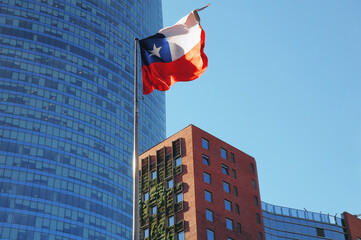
{"points": [[303, 214]]}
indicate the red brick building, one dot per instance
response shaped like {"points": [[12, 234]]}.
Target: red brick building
{"points": [[353, 226], [195, 186]]}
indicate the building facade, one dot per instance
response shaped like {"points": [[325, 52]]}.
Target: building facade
{"points": [[66, 116], [287, 223], [353, 226], [195, 186]]}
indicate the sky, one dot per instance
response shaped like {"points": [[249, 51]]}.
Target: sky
{"points": [[283, 84]]}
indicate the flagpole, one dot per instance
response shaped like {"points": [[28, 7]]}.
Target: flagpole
{"points": [[135, 153]]}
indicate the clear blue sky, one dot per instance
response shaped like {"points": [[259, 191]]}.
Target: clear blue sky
{"points": [[284, 85]]}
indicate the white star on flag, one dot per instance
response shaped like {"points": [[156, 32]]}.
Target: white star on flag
{"points": [[155, 51]]}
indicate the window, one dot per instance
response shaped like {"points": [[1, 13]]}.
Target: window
{"points": [[256, 200], [146, 233], [169, 183], [227, 205], [232, 157], [179, 197], [229, 238], [178, 162], [235, 191], [254, 185], [234, 173], [146, 196], [239, 228], [153, 175], [252, 168], [170, 221], [237, 208], [229, 224], [226, 187], [209, 215], [223, 153], [260, 236], [210, 234], [208, 196], [206, 160], [320, 232], [205, 143], [180, 235], [258, 218], [207, 177], [153, 210], [224, 169]]}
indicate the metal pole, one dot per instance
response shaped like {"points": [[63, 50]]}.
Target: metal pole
{"points": [[135, 153]]}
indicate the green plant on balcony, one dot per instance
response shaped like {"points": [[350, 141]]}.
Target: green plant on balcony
{"points": [[153, 226], [178, 188], [178, 206], [178, 169]]}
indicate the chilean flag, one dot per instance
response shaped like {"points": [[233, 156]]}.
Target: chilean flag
{"points": [[173, 54]]}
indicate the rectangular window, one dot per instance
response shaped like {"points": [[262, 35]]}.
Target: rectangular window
{"points": [[235, 191], [237, 208], [153, 175], [179, 197], [207, 177], [223, 153], [252, 168], [169, 183], [254, 185], [234, 173], [226, 187], [225, 169], [320, 232], [153, 210], [205, 143], [260, 236], [210, 234], [180, 235], [258, 218], [146, 233], [178, 162], [146, 196], [232, 158], [239, 228], [209, 215], [207, 196], [256, 200], [170, 221], [229, 224], [206, 160], [227, 205]]}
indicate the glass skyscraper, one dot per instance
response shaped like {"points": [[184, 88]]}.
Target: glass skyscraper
{"points": [[66, 116], [290, 224]]}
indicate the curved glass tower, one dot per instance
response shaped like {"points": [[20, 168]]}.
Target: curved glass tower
{"points": [[66, 116]]}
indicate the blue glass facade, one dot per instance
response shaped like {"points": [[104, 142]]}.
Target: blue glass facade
{"points": [[66, 116], [287, 223]]}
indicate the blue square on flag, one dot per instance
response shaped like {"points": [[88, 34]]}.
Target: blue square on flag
{"points": [[155, 49]]}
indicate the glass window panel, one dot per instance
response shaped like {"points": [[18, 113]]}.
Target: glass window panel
{"points": [[209, 215], [223, 153], [229, 224], [210, 234], [206, 160], [226, 187], [205, 143], [207, 177], [208, 196], [227, 205]]}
